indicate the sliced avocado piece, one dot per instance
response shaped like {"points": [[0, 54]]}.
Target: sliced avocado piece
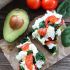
{"points": [[65, 37], [15, 24]]}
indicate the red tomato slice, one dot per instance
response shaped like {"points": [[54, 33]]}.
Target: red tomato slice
{"points": [[51, 19], [42, 31], [25, 47], [29, 61]]}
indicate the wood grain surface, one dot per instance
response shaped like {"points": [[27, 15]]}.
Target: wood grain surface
{"points": [[63, 64]]}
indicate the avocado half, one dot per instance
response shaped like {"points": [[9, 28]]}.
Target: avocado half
{"points": [[11, 34]]}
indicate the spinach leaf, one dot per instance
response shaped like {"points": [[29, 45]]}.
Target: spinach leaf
{"points": [[52, 51], [24, 40], [41, 24], [29, 52], [55, 25], [65, 37], [64, 8], [21, 68], [40, 56]]}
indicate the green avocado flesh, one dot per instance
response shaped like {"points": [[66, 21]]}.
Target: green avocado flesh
{"points": [[8, 33], [65, 37]]}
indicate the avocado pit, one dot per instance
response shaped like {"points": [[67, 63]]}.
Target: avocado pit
{"points": [[16, 22]]}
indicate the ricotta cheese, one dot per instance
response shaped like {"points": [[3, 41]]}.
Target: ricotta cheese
{"points": [[58, 32], [50, 32], [36, 24], [51, 45], [39, 63], [21, 55], [35, 34], [33, 48]]}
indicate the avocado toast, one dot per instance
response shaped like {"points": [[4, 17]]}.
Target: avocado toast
{"points": [[29, 57], [47, 28]]}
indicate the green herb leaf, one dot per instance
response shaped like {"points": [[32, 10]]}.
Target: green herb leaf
{"points": [[40, 56], [65, 37], [21, 68], [52, 51], [41, 25], [24, 40], [29, 52], [64, 8], [55, 25]]}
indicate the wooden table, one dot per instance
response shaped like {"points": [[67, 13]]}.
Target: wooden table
{"points": [[4, 64]]}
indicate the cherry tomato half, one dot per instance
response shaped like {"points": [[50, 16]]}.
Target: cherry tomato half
{"points": [[49, 4], [25, 47], [29, 61], [33, 4], [51, 19], [42, 31]]}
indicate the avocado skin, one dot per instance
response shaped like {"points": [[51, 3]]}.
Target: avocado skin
{"points": [[65, 37], [11, 35]]}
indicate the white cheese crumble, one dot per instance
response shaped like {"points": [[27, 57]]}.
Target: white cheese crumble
{"points": [[33, 48], [19, 46], [51, 32], [35, 34], [39, 63], [49, 13], [51, 45], [58, 32], [42, 40], [21, 55], [36, 24]]}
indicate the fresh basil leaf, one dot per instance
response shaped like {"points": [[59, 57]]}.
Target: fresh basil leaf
{"points": [[64, 8], [65, 37], [24, 40], [52, 51], [30, 33], [55, 25], [41, 24], [29, 52], [40, 56], [21, 68]]}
